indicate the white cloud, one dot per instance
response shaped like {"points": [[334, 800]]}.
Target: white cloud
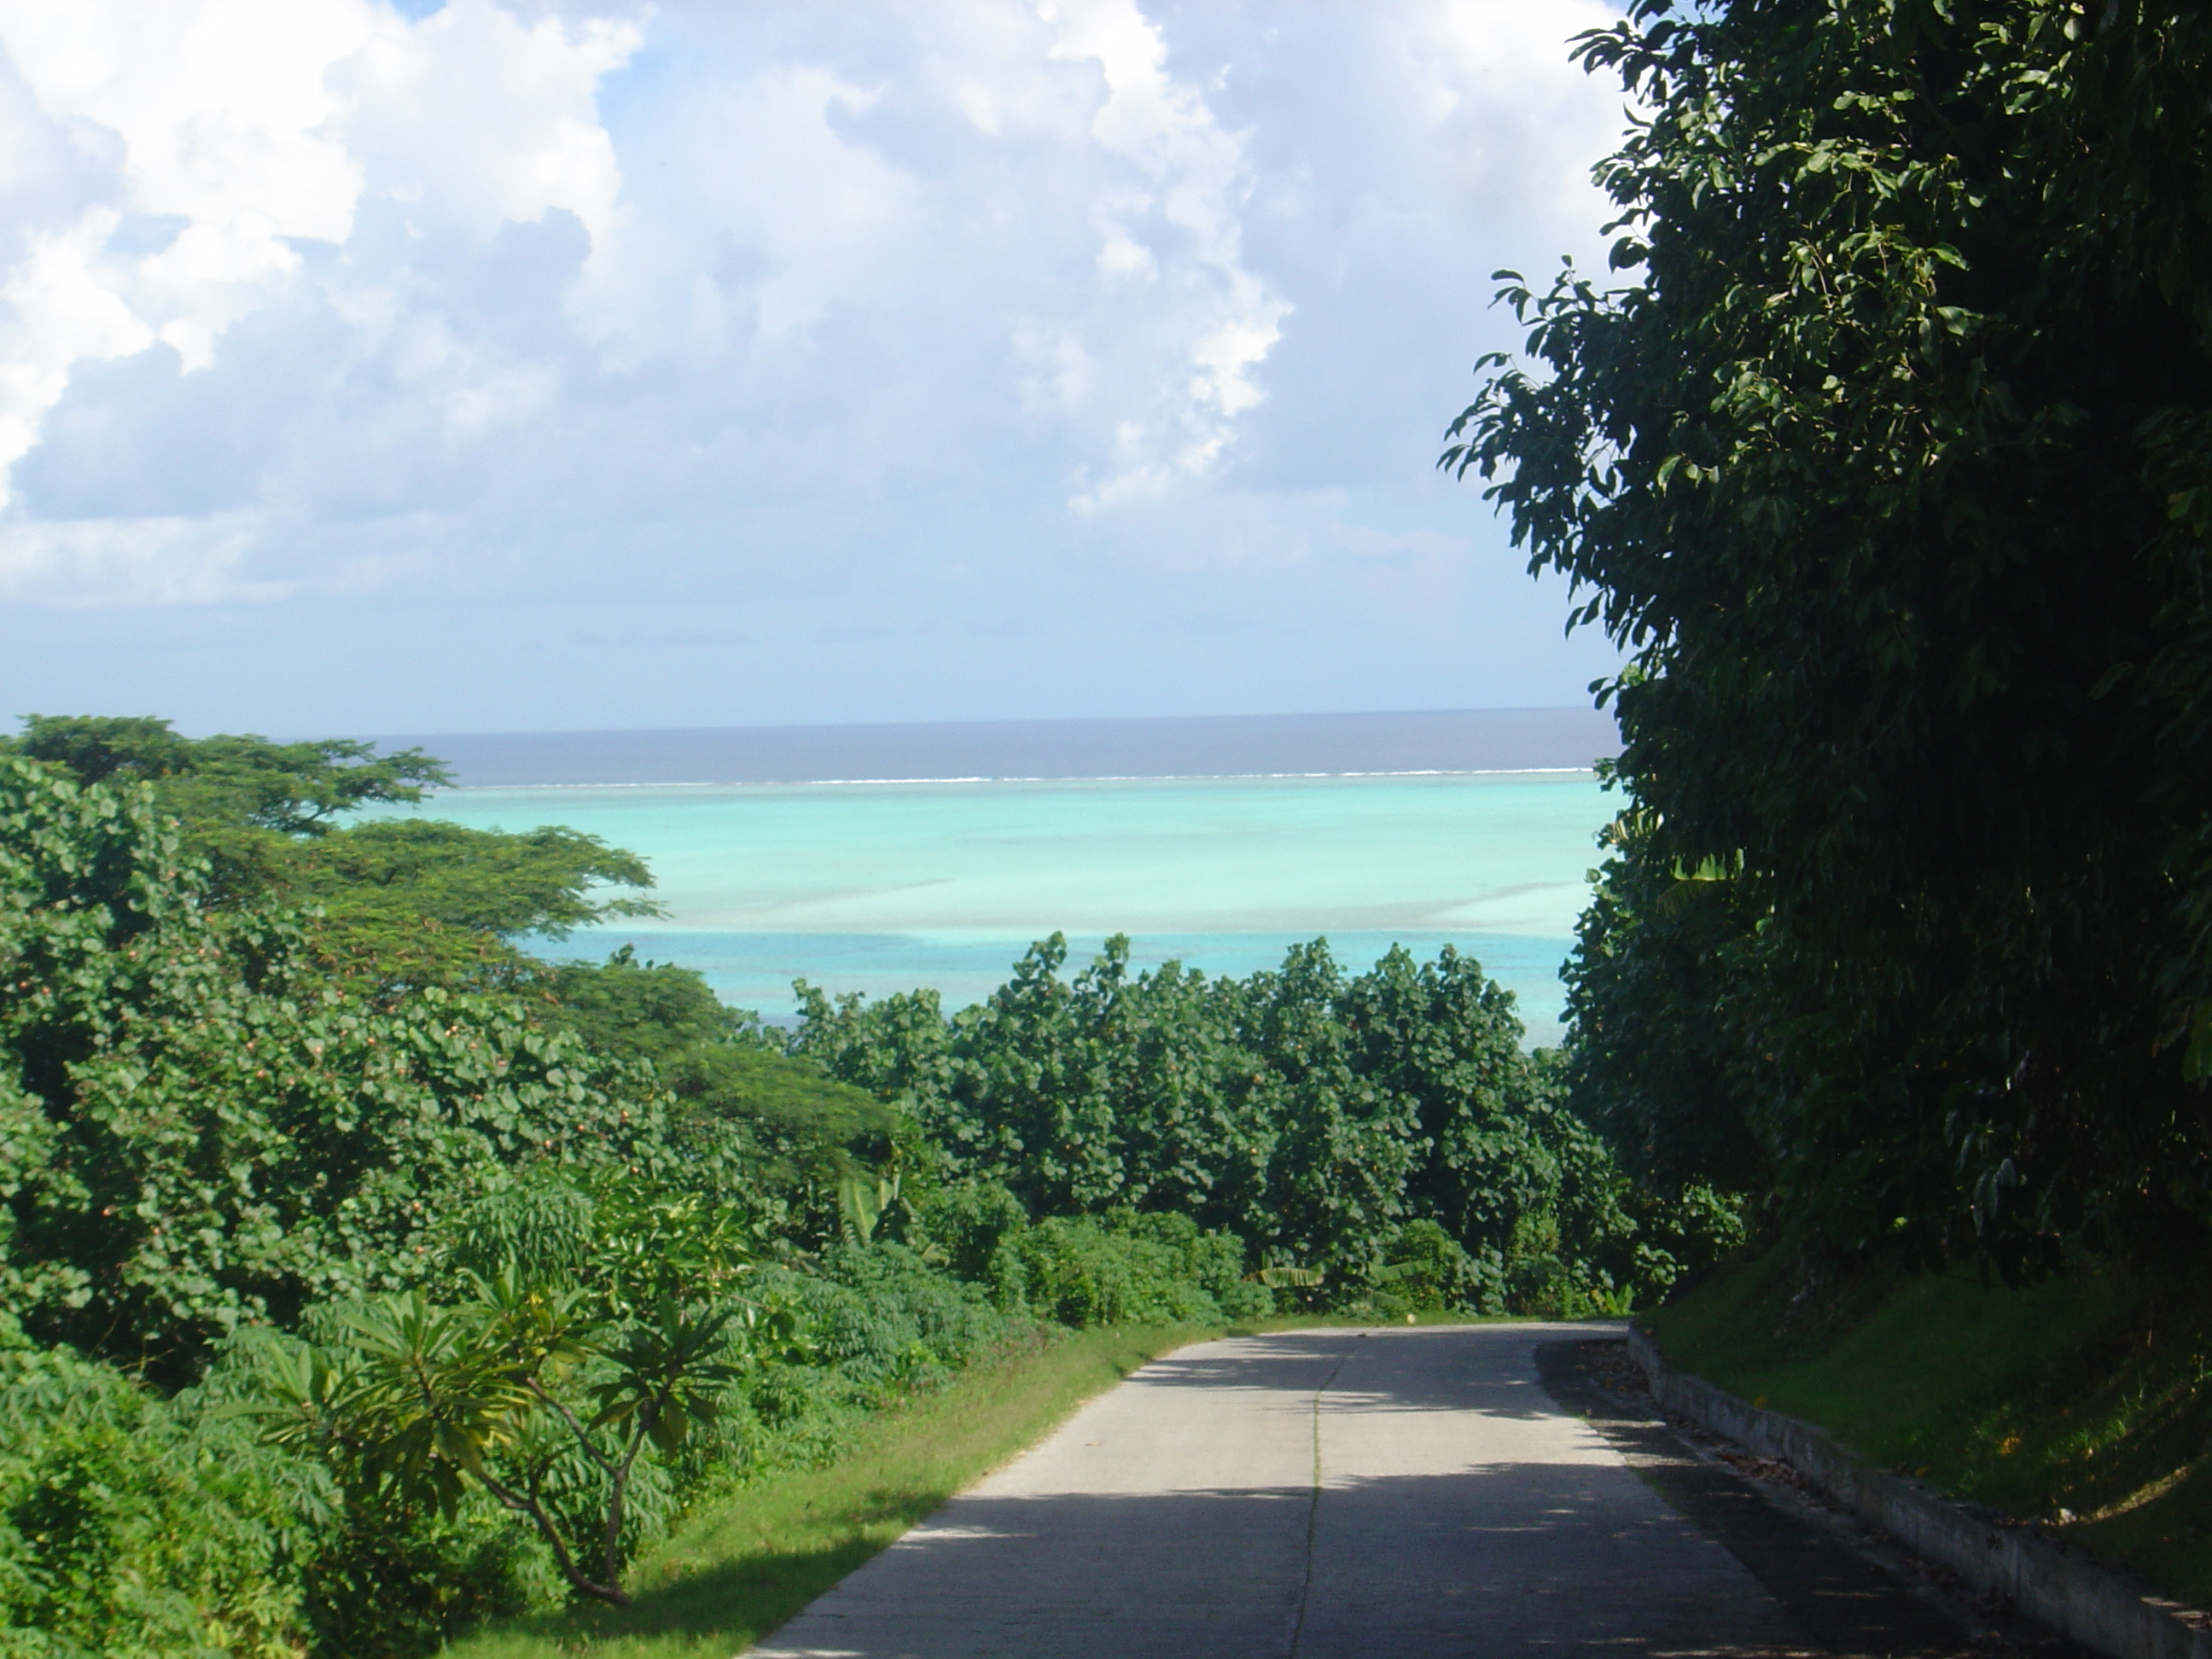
{"points": [[141, 561], [219, 113], [243, 130], [312, 300], [1195, 179], [57, 313], [221, 106], [473, 118]]}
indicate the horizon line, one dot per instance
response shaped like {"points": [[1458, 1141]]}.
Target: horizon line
{"points": [[1103, 777], [1002, 719]]}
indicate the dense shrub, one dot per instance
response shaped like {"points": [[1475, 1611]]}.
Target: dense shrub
{"points": [[1425, 1268], [130, 1529], [884, 1318], [838, 1339], [400, 1584], [1126, 1266], [962, 1223]]}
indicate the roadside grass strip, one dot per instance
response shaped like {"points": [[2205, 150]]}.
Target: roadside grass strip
{"points": [[2082, 1402], [746, 1562]]}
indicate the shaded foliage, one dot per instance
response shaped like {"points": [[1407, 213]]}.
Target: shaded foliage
{"points": [[1890, 470], [799, 1133], [1127, 1266]]}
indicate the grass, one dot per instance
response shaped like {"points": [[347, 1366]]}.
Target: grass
{"points": [[742, 1565], [2084, 1403]]}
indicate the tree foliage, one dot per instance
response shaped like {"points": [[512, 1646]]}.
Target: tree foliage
{"points": [[1309, 1114], [801, 1134], [290, 788], [1890, 468], [397, 902], [199, 1128]]}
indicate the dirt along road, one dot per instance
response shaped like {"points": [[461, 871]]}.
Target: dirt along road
{"points": [[1396, 1491]]}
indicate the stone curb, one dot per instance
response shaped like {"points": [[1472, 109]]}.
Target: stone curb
{"points": [[2049, 1581]]}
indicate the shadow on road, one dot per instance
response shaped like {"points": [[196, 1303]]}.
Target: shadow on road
{"points": [[1509, 1559], [1842, 1598], [1295, 1362], [1467, 1506]]}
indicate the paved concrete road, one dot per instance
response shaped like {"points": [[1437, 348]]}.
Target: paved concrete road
{"points": [[1399, 1493]]}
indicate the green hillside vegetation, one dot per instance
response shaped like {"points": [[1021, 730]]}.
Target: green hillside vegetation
{"points": [[2081, 1402], [1886, 463], [416, 901], [371, 1278]]}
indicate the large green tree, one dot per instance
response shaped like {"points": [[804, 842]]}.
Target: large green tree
{"points": [[405, 901], [199, 1128], [1890, 466]]}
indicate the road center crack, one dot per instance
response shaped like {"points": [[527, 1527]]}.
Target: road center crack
{"points": [[1312, 1506]]}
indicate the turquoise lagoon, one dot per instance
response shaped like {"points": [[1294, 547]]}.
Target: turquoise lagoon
{"points": [[877, 887]]}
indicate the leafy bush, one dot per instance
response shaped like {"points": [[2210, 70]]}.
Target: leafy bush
{"points": [[394, 1583], [857, 1329], [963, 1222], [129, 1530], [138, 1527], [539, 1394], [1425, 1268], [1125, 1267], [884, 1317]]}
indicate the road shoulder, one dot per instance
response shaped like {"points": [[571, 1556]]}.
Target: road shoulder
{"points": [[1847, 1591]]}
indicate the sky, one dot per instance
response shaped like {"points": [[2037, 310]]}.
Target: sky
{"points": [[510, 367]]}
